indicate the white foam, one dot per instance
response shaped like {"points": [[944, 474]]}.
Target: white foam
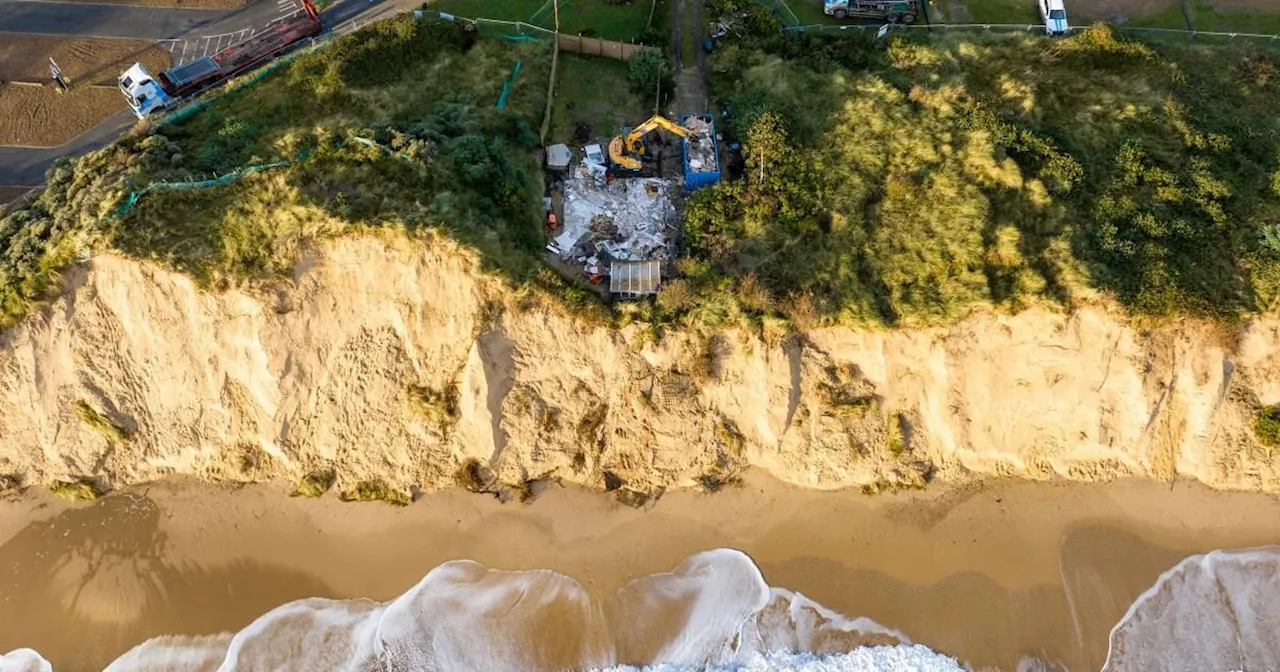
{"points": [[903, 658], [713, 612], [24, 660], [175, 654], [711, 597], [1214, 611], [463, 616]]}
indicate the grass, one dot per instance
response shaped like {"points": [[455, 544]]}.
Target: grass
{"points": [[440, 407], [375, 491], [1170, 17], [83, 490], [314, 484], [987, 170], [435, 134], [624, 22], [594, 91], [809, 13], [893, 434], [1003, 11], [100, 423], [1205, 17]]}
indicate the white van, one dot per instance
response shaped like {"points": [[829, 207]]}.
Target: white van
{"points": [[1054, 15]]}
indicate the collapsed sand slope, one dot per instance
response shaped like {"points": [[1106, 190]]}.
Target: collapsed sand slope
{"points": [[386, 359]]}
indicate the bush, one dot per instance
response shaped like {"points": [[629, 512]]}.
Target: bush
{"points": [[100, 423], [375, 491], [906, 180], [648, 70], [83, 490], [1266, 426], [315, 484]]}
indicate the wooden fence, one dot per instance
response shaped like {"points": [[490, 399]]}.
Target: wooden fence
{"points": [[594, 46]]}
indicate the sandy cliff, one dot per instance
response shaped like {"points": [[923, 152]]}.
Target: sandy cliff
{"points": [[385, 359]]}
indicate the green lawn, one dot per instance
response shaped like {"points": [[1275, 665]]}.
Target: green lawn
{"points": [[594, 91], [808, 12], [1003, 11], [1169, 17], [1205, 17], [613, 22]]}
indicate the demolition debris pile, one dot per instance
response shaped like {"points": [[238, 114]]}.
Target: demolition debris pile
{"points": [[618, 220]]}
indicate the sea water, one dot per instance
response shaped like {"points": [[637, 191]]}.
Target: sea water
{"points": [[713, 612]]}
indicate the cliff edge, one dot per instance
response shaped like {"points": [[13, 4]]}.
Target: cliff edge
{"points": [[398, 362]]}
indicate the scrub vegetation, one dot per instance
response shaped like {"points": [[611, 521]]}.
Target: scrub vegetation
{"points": [[907, 180], [419, 146], [897, 181]]}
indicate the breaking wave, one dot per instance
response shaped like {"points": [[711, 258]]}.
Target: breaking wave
{"points": [[1216, 611], [713, 612]]}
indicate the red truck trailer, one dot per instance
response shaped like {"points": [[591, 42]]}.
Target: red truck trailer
{"points": [[147, 94]]}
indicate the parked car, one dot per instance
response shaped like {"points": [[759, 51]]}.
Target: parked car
{"points": [[1054, 15]]}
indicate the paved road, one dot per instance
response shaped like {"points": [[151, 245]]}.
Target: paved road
{"points": [[132, 21], [26, 167]]}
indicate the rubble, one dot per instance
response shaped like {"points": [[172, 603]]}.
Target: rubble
{"points": [[702, 147], [621, 220]]}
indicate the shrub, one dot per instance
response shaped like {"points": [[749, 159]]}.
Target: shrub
{"points": [[315, 484], [375, 491], [1266, 426], [82, 490], [100, 423]]}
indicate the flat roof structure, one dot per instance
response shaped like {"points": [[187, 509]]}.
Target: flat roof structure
{"points": [[634, 279]]}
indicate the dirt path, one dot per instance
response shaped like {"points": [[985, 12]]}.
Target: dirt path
{"points": [[691, 75]]}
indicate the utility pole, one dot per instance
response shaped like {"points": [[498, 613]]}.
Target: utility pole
{"points": [[555, 9]]}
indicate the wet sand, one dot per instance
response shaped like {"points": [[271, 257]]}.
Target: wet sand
{"points": [[988, 573]]}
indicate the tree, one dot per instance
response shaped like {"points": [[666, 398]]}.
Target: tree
{"points": [[649, 68]]}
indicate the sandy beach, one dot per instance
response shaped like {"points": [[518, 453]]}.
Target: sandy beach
{"points": [[989, 573]]}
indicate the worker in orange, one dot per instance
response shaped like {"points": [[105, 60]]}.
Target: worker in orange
{"points": [[552, 224]]}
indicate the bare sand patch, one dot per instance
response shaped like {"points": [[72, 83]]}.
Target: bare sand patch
{"points": [[40, 116], [34, 113], [25, 58]]}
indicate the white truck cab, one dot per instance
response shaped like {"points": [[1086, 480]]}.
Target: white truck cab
{"points": [[1054, 15], [142, 92]]}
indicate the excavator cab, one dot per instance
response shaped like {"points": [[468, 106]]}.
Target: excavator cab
{"points": [[628, 151]]}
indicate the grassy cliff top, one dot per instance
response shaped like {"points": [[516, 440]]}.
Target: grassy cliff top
{"points": [[906, 179], [894, 181]]}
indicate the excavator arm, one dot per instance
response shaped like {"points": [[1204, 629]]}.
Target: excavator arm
{"points": [[624, 149]]}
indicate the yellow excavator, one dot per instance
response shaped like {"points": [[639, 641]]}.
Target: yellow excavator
{"points": [[628, 151]]}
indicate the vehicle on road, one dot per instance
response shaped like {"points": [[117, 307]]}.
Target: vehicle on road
{"points": [[1054, 15], [893, 11], [148, 95]]}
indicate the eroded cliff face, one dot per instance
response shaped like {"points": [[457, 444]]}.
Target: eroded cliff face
{"points": [[385, 359]]}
